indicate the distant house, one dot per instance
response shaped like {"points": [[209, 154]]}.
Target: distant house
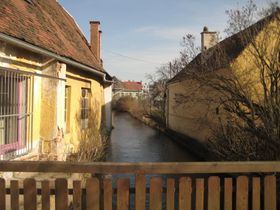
{"points": [[197, 113], [128, 88], [117, 87], [51, 79]]}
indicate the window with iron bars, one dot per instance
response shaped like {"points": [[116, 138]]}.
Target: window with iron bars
{"points": [[15, 112]]}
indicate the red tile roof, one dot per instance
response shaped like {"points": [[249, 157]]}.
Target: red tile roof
{"points": [[132, 86], [46, 24]]}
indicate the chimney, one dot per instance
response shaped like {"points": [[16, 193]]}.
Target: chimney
{"points": [[95, 39], [208, 39]]}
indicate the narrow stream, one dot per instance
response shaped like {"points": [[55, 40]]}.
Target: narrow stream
{"points": [[133, 141]]}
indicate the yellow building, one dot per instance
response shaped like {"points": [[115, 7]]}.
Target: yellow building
{"points": [[194, 108], [51, 79]]}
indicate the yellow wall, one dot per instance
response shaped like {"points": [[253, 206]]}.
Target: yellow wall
{"points": [[191, 109], [76, 81], [196, 117], [47, 113], [15, 58], [247, 67]]}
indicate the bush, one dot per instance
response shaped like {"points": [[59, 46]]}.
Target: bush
{"points": [[92, 142], [235, 143]]}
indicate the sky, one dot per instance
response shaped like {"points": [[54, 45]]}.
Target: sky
{"points": [[138, 36]]}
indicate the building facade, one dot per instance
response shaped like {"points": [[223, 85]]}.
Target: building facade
{"points": [[51, 79], [193, 108], [129, 89]]}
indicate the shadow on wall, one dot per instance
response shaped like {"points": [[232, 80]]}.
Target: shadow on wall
{"points": [[91, 135]]}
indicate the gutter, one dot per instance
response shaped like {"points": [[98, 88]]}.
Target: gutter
{"points": [[42, 51]]}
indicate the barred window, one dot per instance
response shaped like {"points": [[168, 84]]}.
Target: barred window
{"points": [[15, 111], [85, 100]]}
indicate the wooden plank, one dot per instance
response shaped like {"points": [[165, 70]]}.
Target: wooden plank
{"points": [[141, 168], [170, 194], [93, 194], [185, 193], [156, 193], [14, 195], [77, 195], [2, 194], [140, 192], [256, 193], [30, 194], [123, 194], [45, 195], [61, 194], [199, 195], [228, 194], [270, 192], [242, 193], [214, 193], [108, 194]]}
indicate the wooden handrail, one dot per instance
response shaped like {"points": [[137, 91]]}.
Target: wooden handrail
{"points": [[141, 168]]}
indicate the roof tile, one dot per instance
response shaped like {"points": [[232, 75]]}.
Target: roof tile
{"points": [[47, 25]]}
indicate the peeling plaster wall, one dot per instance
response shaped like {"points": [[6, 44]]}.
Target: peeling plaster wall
{"points": [[49, 98], [19, 59], [108, 107], [76, 80]]}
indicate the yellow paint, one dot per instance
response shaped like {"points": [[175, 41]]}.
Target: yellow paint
{"points": [[76, 81], [46, 111], [192, 117], [196, 117]]}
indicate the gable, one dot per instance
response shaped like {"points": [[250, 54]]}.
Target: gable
{"points": [[223, 54]]}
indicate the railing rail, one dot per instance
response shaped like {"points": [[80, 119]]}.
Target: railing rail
{"points": [[142, 168], [154, 186]]}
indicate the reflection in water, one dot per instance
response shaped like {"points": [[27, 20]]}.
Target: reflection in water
{"points": [[132, 141]]}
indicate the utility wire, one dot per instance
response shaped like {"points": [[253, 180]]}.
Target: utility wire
{"points": [[132, 58]]}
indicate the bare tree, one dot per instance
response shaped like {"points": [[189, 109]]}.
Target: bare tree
{"points": [[247, 96], [159, 79], [241, 18], [189, 51]]}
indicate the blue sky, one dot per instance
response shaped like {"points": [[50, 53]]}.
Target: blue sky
{"points": [[148, 32]]}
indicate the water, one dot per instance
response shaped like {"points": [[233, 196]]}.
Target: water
{"points": [[133, 141]]}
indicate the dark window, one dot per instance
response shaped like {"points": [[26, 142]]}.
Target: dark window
{"points": [[67, 107], [85, 100]]}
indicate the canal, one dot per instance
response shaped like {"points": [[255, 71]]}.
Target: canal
{"points": [[133, 141]]}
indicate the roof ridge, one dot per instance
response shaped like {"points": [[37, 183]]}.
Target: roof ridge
{"points": [[48, 25], [222, 44], [78, 29]]}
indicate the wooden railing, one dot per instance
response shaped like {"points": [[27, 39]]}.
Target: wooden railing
{"points": [[140, 186]]}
